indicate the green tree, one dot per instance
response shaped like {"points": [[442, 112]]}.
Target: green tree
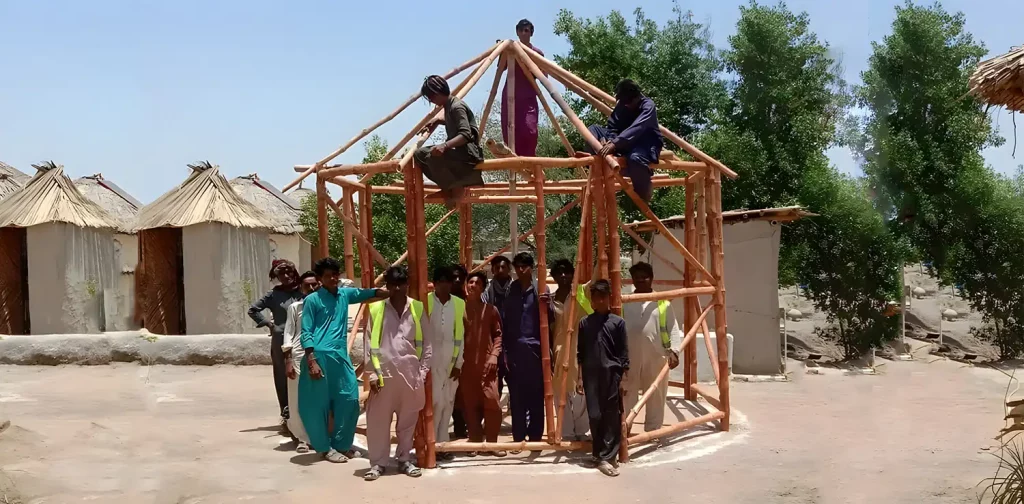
{"points": [[924, 133], [787, 104]]}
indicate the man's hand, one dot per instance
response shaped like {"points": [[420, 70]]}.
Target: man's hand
{"points": [[607, 149], [673, 359], [490, 368], [314, 369], [289, 368], [456, 373], [438, 150]]}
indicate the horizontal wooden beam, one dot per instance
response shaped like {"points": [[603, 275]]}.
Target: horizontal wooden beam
{"points": [[669, 294]]}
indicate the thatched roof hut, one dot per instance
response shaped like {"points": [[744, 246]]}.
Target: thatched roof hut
{"points": [[1000, 80], [204, 253], [11, 179], [280, 209], [51, 233], [109, 196]]}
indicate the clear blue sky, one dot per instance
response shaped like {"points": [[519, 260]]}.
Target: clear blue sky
{"points": [[135, 90]]}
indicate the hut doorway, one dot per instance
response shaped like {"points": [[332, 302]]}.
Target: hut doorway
{"points": [[14, 318], [161, 284]]}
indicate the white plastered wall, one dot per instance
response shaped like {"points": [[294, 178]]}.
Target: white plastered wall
{"points": [[226, 269], [69, 268], [752, 292]]}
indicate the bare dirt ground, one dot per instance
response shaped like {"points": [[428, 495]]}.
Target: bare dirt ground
{"points": [[915, 433]]}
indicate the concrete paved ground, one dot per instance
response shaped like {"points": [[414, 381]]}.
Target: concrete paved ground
{"points": [[170, 434]]}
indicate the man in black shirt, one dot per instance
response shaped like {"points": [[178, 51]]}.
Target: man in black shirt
{"points": [[603, 356]]}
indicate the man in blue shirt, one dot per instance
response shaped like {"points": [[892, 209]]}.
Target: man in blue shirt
{"points": [[521, 343], [327, 383], [632, 132]]}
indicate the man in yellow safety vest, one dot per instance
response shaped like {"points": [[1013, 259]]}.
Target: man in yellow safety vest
{"points": [[448, 323], [651, 327], [396, 350]]}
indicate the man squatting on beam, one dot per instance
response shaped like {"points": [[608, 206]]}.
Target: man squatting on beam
{"points": [[632, 132], [451, 165], [397, 351]]}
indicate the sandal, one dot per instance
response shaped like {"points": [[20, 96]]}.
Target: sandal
{"points": [[374, 473], [301, 447], [410, 469], [336, 457]]}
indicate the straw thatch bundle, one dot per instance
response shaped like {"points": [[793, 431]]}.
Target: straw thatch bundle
{"points": [[1000, 80]]}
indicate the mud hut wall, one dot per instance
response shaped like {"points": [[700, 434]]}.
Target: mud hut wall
{"points": [[293, 248], [69, 268], [752, 292], [126, 247], [226, 269]]}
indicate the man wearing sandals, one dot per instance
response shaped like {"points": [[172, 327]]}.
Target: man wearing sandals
{"points": [[396, 354], [327, 380]]}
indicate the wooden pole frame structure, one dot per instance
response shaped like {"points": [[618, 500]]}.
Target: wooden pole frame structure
{"points": [[700, 255]]}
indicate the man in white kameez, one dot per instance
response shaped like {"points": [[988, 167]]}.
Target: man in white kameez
{"points": [[448, 322], [651, 327]]}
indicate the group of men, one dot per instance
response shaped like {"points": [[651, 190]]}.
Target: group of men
{"points": [[474, 335]]}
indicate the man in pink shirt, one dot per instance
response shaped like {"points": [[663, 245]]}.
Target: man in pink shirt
{"points": [[526, 112]]}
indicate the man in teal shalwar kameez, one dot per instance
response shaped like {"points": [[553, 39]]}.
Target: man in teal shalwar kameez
{"points": [[327, 383]]}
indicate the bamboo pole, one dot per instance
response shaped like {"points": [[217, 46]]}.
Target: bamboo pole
{"points": [[714, 219], [323, 245], [348, 208], [707, 395], [363, 240], [601, 209], [646, 210], [359, 169], [561, 211], [490, 96], [675, 429], [668, 294], [362, 134], [594, 93], [540, 235], [643, 243], [570, 331], [466, 446], [689, 314], [566, 109]]}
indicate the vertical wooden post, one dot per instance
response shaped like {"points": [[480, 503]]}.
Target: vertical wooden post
{"points": [[539, 236], [349, 209], [689, 316], [510, 118], [602, 222], [571, 305], [417, 206], [713, 192], [323, 246]]}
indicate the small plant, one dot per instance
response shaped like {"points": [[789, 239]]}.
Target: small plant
{"points": [[247, 290], [1007, 486]]}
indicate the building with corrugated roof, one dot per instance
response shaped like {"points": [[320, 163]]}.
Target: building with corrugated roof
{"points": [[286, 240], [123, 208], [57, 249]]}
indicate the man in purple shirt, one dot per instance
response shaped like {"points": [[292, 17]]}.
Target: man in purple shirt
{"points": [[632, 132], [521, 342], [526, 112]]}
